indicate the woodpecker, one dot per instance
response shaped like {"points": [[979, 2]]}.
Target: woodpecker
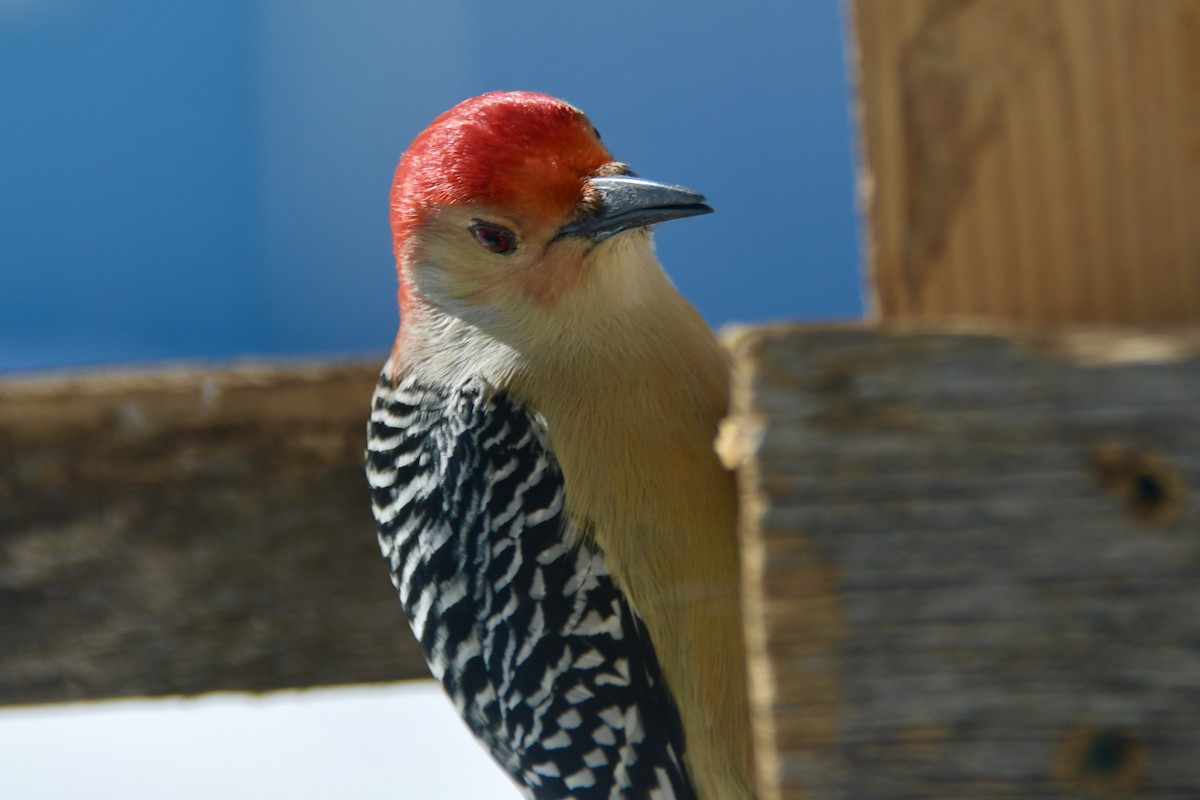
{"points": [[540, 453]]}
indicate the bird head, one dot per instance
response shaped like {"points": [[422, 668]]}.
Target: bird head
{"points": [[511, 217]]}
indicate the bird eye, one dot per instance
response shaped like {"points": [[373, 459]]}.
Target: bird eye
{"points": [[496, 238]]}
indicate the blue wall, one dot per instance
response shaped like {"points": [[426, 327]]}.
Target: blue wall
{"points": [[186, 179]]}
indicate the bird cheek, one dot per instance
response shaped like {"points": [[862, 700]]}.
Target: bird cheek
{"points": [[548, 280]]}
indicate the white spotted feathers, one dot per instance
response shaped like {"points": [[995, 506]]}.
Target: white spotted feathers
{"points": [[516, 613]]}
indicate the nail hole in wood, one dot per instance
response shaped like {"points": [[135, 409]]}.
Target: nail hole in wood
{"points": [[1105, 762], [1150, 487], [1106, 754]]}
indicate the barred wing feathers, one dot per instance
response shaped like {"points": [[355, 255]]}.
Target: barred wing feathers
{"points": [[517, 614]]}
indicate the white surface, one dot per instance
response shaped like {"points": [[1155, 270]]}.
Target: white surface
{"points": [[402, 741]]}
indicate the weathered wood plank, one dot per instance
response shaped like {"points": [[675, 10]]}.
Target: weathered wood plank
{"points": [[1033, 160], [191, 531], [971, 562]]}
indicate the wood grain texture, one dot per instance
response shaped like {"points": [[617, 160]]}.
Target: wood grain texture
{"points": [[191, 531], [1031, 160], [971, 562]]}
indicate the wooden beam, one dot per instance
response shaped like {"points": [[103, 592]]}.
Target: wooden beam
{"points": [[1031, 160], [971, 563], [191, 531]]}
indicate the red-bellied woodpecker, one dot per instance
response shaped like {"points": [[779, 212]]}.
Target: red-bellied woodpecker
{"points": [[558, 526]]}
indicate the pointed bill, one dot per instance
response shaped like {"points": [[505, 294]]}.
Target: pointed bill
{"points": [[627, 202]]}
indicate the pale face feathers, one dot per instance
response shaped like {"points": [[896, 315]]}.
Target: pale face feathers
{"points": [[483, 314]]}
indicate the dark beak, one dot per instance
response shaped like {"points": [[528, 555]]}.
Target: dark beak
{"points": [[627, 202]]}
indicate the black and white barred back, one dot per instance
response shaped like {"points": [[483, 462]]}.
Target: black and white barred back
{"points": [[517, 615]]}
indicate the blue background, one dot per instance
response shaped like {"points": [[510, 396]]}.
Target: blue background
{"points": [[183, 179]]}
